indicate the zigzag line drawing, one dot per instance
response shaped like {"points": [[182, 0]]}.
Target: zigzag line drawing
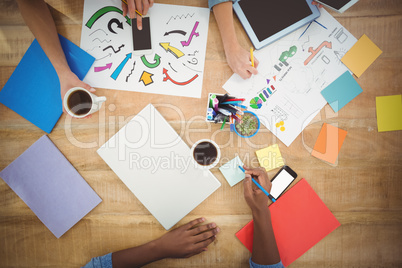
{"points": [[115, 51], [104, 40], [130, 72], [180, 17]]}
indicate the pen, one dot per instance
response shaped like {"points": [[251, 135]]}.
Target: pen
{"points": [[259, 186], [136, 11], [252, 56]]}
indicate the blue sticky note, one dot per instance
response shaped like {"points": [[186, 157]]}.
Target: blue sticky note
{"points": [[231, 171], [33, 90], [341, 91]]}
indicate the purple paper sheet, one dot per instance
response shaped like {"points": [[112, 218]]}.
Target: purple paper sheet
{"points": [[44, 179]]}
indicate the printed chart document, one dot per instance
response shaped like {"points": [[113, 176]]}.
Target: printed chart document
{"points": [[157, 166], [286, 94], [179, 41]]}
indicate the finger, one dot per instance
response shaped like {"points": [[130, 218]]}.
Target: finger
{"points": [[145, 7], [206, 235], [92, 89], [255, 171], [151, 3], [252, 70], [125, 8], [131, 9], [139, 23], [248, 188], [192, 223], [202, 245], [256, 62], [202, 228]]}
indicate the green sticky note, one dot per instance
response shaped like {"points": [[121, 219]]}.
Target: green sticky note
{"points": [[231, 171], [389, 113]]}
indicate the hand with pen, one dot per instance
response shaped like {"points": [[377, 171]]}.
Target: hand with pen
{"points": [[134, 7], [256, 199]]}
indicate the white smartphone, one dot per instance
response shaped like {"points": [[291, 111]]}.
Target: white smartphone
{"points": [[142, 38], [281, 181], [338, 5]]}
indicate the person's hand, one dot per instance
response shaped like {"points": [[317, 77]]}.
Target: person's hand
{"points": [[255, 198], [141, 5], [69, 80], [187, 240], [239, 61], [316, 4]]}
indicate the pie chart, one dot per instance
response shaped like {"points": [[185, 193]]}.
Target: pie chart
{"points": [[256, 103]]}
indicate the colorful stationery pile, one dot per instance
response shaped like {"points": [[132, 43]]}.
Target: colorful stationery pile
{"points": [[224, 109]]}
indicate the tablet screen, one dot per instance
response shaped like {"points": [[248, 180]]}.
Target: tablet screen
{"points": [[267, 17]]}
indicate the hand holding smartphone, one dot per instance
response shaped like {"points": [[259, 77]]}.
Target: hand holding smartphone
{"points": [[142, 38]]}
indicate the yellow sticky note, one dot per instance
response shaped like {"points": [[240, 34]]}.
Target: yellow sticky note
{"points": [[270, 157], [361, 55], [389, 113]]}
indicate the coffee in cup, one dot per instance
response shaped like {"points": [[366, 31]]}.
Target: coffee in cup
{"points": [[79, 102], [206, 153]]}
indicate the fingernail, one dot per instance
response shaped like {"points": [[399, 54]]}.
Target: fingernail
{"points": [[212, 225], [218, 230], [202, 219], [140, 28]]}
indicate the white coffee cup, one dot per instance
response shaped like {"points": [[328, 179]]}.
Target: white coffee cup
{"points": [[209, 164], [79, 102]]}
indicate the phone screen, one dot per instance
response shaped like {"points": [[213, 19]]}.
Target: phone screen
{"points": [[337, 4], [141, 39], [281, 181]]}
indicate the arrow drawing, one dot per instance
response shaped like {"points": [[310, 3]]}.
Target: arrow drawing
{"points": [[102, 12], [187, 43], [119, 68], [110, 54], [101, 68], [104, 40], [180, 17], [157, 60], [193, 53], [175, 31], [130, 72], [193, 61], [119, 25], [172, 67], [191, 69], [115, 51], [314, 52], [146, 78], [177, 53], [167, 77], [98, 30]]}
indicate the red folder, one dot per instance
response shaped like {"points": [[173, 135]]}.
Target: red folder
{"points": [[300, 220]]}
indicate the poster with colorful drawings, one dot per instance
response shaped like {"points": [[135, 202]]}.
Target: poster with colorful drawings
{"points": [[286, 93], [176, 65]]}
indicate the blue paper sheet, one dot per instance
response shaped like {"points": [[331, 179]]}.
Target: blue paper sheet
{"points": [[33, 90], [341, 91]]}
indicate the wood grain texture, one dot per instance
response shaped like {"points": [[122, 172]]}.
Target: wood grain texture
{"points": [[363, 189]]}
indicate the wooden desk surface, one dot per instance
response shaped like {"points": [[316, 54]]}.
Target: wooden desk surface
{"points": [[363, 190]]}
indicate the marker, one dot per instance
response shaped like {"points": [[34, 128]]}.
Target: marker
{"points": [[252, 56], [231, 102], [261, 188], [231, 124], [235, 100], [238, 105], [224, 122], [136, 11], [224, 111]]}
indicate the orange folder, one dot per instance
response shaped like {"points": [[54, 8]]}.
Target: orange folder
{"points": [[329, 143], [300, 220]]}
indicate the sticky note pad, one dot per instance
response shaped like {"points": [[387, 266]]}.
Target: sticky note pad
{"points": [[329, 143], [299, 219], [341, 91], [231, 171], [270, 157], [33, 90], [361, 55], [44, 179], [389, 113]]}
